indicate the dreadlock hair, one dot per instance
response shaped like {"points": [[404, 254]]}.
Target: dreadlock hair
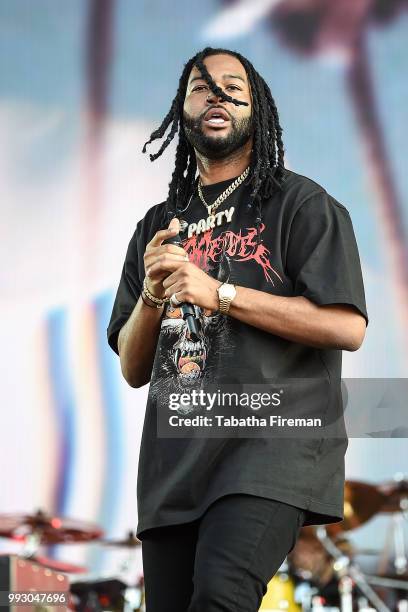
{"points": [[267, 169]]}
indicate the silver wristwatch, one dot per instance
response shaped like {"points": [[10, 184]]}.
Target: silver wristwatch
{"points": [[226, 294]]}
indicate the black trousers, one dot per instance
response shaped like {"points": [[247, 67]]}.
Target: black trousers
{"points": [[221, 562]]}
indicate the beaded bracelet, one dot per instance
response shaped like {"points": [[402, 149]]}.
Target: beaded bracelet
{"points": [[148, 304], [152, 297]]}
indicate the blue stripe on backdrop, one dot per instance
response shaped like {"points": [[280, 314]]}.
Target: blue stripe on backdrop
{"points": [[64, 407], [114, 427]]}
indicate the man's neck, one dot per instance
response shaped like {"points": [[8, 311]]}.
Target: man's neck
{"points": [[217, 170]]}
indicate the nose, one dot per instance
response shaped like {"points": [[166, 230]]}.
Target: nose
{"points": [[212, 97]]}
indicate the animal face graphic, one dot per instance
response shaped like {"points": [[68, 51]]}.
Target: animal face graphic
{"points": [[186, 358], [182, 364]]}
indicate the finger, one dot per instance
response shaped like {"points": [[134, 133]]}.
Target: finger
{"points": [[154, 258], [167, 263], [161, 235], [174, 224], [170, 280], [163, 258], [179, 296], [169, 248], [175, 287]]}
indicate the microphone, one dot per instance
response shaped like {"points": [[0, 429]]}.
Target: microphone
{"points": [[187, 310]]}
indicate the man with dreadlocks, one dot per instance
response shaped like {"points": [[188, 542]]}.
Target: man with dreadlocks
{"points": [[264, 262]]}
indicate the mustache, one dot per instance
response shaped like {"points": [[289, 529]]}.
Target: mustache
{"points": [[195, 122], [203, 114]]}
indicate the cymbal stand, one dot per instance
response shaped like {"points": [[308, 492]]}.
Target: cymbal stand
{"points": [[388, 583], [31, 544], [349, 572], [346, 593], [400, 558]]}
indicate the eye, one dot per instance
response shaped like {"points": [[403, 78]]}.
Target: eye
{"points": [[234, 87], [199, 87]]}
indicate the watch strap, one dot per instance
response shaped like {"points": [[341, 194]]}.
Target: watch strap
{"points": [[225, 302]]}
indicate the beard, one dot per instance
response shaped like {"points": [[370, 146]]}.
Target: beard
{"points": [[217, 147]]}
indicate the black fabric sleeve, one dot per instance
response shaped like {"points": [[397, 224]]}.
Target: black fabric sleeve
{"points": [[128, 292], [322, 255]]}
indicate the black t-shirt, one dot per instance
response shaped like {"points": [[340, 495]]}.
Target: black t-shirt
{"points": [[307, 248]]}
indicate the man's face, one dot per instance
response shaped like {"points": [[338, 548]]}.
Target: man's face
{"points": [[218, 137]]}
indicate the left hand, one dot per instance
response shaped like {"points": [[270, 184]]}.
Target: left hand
{"points": [[192, 285]]}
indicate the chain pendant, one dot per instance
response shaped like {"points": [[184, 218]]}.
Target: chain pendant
{"points": [[211, 208], [212, 221]]}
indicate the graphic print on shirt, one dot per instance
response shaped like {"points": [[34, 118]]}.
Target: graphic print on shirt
{"points": [[181, 363], [204, 250]]}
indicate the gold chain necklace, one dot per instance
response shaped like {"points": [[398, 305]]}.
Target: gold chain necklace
{"points": [[213, 207]]}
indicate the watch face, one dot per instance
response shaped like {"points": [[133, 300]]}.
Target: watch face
{"points": [[227, 291]]}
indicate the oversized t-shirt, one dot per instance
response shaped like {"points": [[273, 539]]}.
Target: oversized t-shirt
{"points": [[307, 248]]}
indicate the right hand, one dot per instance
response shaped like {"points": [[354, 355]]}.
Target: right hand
{"points": [[158, 252]]}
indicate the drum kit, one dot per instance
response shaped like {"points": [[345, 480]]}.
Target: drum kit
{"points": [[323, 571], [320, 574], [88, 593]]}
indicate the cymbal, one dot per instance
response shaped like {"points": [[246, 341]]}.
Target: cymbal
{"points": [[361, 502], [131, 541], [367, 552], [394, 575], [50, 529], [59, 566], [396, 496]]}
